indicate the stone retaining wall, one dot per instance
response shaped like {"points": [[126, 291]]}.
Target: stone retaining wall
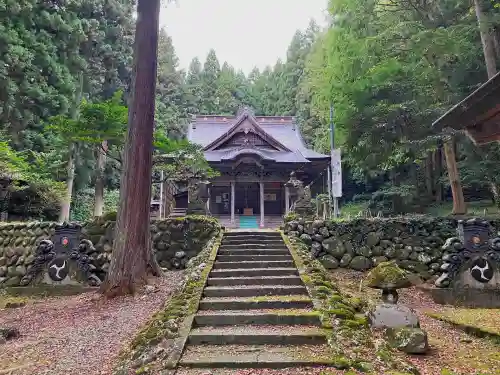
{"points": [[416, 243], [174, 242], [18, 242]]}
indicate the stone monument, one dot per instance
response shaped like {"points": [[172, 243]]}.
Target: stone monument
{"points": [[64, 260], [471, 267]]}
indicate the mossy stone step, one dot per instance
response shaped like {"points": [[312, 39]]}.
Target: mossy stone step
{"points": [[249, 272], [265, 280], [257, 356], [241, 251], [257, 335], [253, 258], [255, 303], [243, 241], [253, 290], [254, 246], [254, 264], [256, 317]]}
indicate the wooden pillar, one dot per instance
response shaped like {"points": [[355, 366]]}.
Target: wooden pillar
{"points": [[262, 224], [233, 191], [287, 199]]}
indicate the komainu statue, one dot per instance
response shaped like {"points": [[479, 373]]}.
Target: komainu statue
{"points": [[301, 197], [198, 195]]}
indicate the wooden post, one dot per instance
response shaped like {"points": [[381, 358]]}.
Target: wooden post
{"points": [[459, 207]]}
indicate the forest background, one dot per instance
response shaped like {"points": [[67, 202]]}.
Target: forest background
{"points": [[389, 68]]}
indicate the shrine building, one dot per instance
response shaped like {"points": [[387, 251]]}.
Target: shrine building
{"points": [[255, 156]]}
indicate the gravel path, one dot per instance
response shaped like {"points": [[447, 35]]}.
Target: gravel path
{"points": [[77, 334]]}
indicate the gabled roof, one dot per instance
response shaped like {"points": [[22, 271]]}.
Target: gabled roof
{"points": [[238, 127], [281, 131]]}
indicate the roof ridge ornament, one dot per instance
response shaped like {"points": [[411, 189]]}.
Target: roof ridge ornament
{"points": [[246, 110]]}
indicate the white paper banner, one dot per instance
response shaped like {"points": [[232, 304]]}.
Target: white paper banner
{"points": [[336, 174]]}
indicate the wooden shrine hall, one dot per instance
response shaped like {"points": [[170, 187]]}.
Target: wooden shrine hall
{"points": [[255, 156]]}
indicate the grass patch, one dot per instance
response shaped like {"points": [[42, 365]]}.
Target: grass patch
{"points": [[480, 322], [41, 291], [476, 208], [6, 300]]}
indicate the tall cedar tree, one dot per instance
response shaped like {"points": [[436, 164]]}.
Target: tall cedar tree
{"points": [[132, 256]]}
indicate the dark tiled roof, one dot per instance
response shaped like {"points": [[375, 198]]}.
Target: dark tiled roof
{"points": [[276, 156], [204, 130]]}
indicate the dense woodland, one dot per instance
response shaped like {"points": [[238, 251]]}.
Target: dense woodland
{"points": [[390, 68]]}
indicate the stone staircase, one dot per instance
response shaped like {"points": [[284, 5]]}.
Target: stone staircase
{"points": [[271, 222], [178, 212], [255, 310]]}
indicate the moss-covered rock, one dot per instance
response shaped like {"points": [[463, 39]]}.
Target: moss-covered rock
{"points": [[408, 340], [387, 275], [360, 263], [329, 262]]}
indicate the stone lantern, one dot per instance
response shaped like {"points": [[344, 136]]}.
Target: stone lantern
{"points": [[401, 323]]}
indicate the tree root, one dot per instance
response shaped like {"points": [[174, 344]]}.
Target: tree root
{"points": [[154, 267]]}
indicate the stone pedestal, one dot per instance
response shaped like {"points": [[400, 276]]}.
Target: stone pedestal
{"points": [[471, 268], [64, 261]]}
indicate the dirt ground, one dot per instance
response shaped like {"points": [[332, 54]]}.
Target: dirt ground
{"points": [[79, 334]]}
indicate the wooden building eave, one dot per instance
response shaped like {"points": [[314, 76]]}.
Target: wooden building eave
{"points": [[478, 114]]}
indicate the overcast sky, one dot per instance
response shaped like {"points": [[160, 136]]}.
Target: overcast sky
{"points": [[245, 33]]}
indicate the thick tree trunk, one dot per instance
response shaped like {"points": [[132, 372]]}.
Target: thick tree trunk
{"points": [[487, 39], [99, 179], [70, 178], [459, 207], [132, 256]]}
